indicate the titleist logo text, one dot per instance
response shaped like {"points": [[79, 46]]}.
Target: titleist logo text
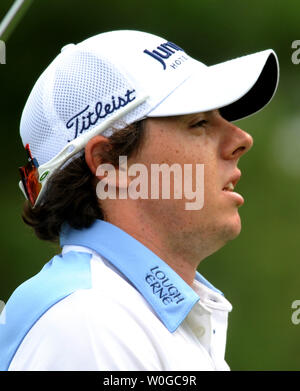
{"points": [[87, 118]]}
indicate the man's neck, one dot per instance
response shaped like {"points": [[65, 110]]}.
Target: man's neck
{"points": [[160, 243]]}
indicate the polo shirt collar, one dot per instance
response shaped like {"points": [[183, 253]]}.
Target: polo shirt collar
{"points": [[167, 293]]}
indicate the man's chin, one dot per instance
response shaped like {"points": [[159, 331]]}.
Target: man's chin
{"points": [[230, 229], [234, 228]]}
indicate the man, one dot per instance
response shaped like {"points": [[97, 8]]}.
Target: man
{"points": [[125, 293]]}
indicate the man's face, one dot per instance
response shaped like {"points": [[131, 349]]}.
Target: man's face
{"points": [[204, 138]]}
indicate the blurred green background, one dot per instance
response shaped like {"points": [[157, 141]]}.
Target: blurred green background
{"points": [[259, 271]]}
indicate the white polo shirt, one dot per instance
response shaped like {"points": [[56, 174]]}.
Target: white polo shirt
{"points": [[109, 303]]}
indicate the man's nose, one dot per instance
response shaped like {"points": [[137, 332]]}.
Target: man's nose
{"points": [[237, 142]]}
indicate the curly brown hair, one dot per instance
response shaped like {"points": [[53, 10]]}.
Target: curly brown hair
{"points": [[71, 194]]}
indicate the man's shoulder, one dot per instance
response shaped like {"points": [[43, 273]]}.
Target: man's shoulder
{"points": [[74, 290], [109, 301], [76, 285], [106, 319]]}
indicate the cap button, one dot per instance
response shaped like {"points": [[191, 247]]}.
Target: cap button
{"points": [[67, 47]]}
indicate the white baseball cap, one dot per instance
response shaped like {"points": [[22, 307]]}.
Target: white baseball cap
{"points": [[115, 78]]}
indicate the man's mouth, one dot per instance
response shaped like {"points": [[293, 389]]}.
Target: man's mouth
{"points": [[229, 187], [232, 182]]}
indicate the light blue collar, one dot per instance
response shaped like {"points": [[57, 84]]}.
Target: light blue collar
{"points": [[166, 292]]}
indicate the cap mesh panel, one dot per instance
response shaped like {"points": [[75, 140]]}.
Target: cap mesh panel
{"points": [[76, 82]]}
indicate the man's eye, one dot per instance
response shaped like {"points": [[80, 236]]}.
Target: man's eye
{"points": [[199, 124]]}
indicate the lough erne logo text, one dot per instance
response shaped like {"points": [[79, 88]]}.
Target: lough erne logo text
{"points": [[162, 287]]}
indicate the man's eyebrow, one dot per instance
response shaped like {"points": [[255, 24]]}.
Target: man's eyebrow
{"points": [[188, 117], [206, 113]]}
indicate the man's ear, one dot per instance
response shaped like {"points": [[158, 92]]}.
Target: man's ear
{"points": [[94, 151], [106, 172]]}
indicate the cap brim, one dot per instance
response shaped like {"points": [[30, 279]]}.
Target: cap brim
{"points": [[238, 87]]}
